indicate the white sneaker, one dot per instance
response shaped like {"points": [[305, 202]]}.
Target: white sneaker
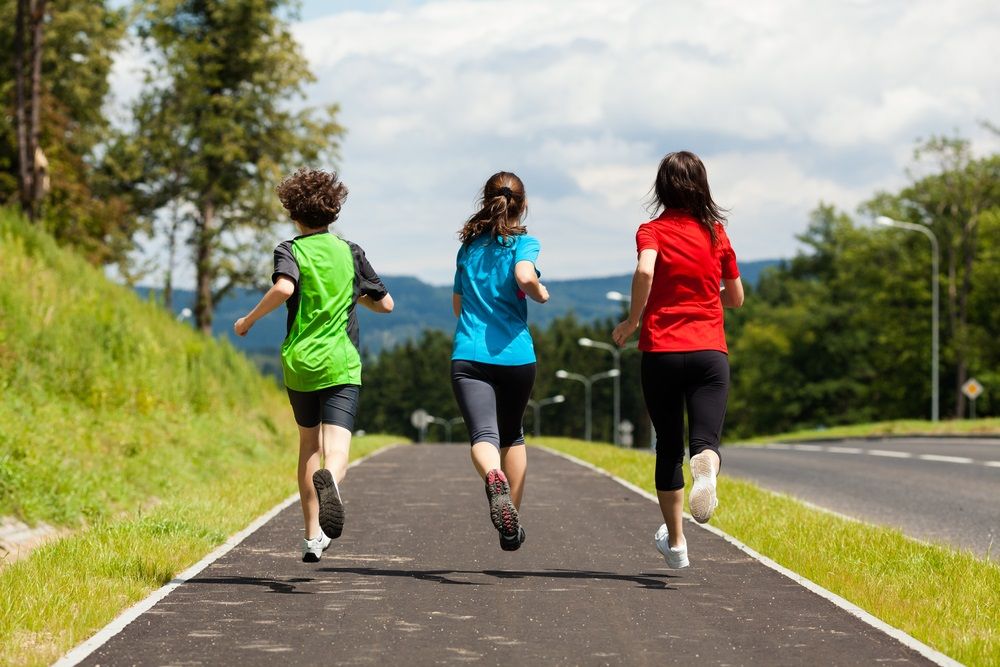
{"points": [[313, 549], [703, 500], [676, 557]]}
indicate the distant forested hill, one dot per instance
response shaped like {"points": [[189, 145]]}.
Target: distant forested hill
{"points": [[421, 306]]}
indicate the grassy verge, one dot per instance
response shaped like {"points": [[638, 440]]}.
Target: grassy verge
{"points": [[147, 441], [63, 592], [946, 598], [988, 427]]}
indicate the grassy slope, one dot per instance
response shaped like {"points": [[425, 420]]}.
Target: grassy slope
{"points": [[902, 427], [151, 441], [946, 598]]}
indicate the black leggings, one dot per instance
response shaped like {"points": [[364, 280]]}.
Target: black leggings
{"points": [[671, 379], [492, 399]]}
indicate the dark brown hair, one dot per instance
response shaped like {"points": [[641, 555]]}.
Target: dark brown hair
{"points": [[312, 197], [501, 208], [682, 183]]}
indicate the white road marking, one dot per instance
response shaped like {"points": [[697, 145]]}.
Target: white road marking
{"points": [[877, 623], [888, 453], [945, 459]]}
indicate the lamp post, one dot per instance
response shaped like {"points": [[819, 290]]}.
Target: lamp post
{"points": [[454, 421], [587, 384], [935, 262], [537, 407], [617, 356]]}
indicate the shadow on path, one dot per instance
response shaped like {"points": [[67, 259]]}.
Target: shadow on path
{"points": [[643, 579], [275, 586]]}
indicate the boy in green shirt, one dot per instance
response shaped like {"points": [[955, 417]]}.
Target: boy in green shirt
{"points": [[321, 277]]}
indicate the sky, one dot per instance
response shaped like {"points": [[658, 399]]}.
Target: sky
{"points": [[789, 104]]}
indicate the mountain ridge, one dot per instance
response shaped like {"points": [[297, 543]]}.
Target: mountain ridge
{"points": [[420, 306]]}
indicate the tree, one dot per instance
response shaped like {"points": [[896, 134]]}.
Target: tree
{"points": [[84, 206], [952, 200], [216, 129], [28, 38]]}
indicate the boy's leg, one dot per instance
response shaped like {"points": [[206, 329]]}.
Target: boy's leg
{"points": [[336, 450], [340, 404], [309, 463]]}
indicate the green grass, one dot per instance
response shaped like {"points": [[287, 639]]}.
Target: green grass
{"points": [[129, 431], [902, 427], [946, 598], [66, 590]]}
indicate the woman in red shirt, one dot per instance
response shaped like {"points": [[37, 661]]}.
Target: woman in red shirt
{"points": [[684, 255]]}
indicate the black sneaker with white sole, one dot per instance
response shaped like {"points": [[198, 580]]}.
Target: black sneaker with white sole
{"points": [[331, 507]]}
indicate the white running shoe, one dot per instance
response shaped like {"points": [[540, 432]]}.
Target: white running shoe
{"points": [[313, 549], [676, 557], [703, 500]]}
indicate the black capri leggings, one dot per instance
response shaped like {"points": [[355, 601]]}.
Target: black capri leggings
{"points": [[671, 379], [492, 399]]}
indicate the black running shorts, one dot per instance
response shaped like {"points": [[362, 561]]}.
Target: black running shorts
{"points": [[333, 405], [492, 399]]}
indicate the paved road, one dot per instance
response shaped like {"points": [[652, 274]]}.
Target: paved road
{"points": [[942, 490], [419, 578]]}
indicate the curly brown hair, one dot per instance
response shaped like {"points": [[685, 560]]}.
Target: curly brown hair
{"points": [[312, 197], [501, 209]]}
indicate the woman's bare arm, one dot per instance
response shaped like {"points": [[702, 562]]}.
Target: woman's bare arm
{"points": [[732, 292], [527, 280], [642, 282]]}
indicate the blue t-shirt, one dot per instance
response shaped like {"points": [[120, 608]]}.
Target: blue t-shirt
{"points": [[493, 326]]}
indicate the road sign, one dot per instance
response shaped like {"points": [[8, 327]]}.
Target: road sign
{"points": [[420, 419], [972, 389]]}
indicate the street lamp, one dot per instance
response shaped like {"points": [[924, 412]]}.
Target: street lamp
{"points": [[587, 383], [537, 407], [935, 262], [454, 421], [617, 356], [615, 295]]}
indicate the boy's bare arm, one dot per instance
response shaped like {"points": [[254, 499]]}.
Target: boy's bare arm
{"points": [[279, 293], [383, 305]]}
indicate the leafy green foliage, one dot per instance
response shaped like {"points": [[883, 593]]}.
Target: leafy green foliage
{"points": [[216, 130], [86, 207], [840, 334]]}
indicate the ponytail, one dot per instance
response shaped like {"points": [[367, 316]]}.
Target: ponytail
{"points": [[501, 208]]}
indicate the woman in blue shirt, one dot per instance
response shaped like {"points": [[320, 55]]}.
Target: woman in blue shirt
{"points": [[493, 360]]}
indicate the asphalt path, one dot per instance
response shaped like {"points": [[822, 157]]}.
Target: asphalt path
{"points": [[940, 490], [418, 578]]}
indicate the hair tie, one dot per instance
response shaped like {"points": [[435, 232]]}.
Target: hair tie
{"points": [[506, 192]]}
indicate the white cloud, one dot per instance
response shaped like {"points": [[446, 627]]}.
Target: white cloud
{"points": [[789, 103]]}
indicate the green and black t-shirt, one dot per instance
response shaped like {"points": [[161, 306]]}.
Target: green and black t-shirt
{"points": [[330, 274]]}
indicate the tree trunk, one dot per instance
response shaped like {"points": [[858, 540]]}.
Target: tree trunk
{"points": [[37, 37], [204, 308], [25, 157], [168, 279]]}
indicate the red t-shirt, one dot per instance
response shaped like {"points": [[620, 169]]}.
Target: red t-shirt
{"points": [[684, 311]]}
